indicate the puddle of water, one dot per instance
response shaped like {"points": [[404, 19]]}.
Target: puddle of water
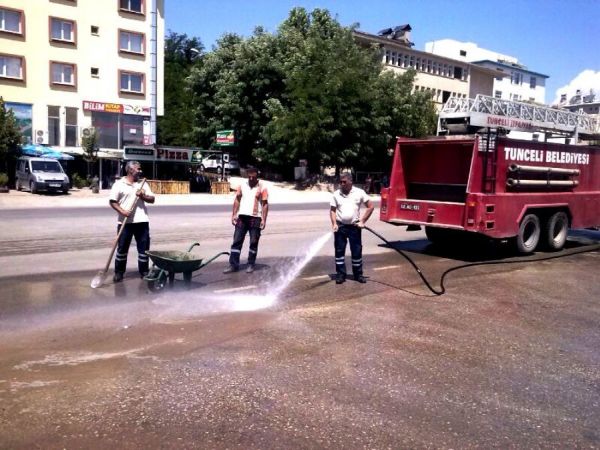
{"points": [[74, 359], [16, 385]]}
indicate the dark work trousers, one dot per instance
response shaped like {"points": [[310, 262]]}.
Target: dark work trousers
{"points": [[141, 231], [353, 234], [245, 224]]}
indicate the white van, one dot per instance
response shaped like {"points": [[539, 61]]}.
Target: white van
{"points": [[41, 174], [212, 162]]}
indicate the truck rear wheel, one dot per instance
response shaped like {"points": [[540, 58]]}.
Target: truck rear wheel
{"points": [[529, 234], [556, 230]]}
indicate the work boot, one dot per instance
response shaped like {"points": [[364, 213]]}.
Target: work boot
{"points": [[339, 279], [250, 268], [360, 279], [230, 269], [143, 274], [118, 277]]}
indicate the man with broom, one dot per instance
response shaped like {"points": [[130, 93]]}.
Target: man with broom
{"points": [[133, 216]]}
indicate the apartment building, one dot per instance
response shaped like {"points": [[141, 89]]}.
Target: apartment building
{"points": [[443, 77], [68, 65], [514, 80]]}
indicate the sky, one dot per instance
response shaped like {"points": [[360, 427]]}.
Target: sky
{"points": [[558, 38]]}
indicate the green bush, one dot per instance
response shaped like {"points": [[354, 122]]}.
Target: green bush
{"points": [[3, 179], [79, 182]]}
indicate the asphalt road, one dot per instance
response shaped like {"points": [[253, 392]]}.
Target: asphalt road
{"points": [[284, 358]]}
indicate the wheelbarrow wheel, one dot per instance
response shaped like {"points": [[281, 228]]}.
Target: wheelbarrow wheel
{"points": [[158, 283]]}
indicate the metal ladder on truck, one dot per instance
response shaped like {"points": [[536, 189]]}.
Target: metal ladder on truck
{"points": [[494, 116]]}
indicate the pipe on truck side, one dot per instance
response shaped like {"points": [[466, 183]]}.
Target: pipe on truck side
{"points": [[539, 169], [512, 182]]}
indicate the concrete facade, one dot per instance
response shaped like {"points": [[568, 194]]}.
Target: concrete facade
{"points": [[441, 76], [514, 82], [78, 58]]}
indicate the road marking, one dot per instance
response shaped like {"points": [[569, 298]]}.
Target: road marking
{"points": [[385, 268], [242, 288], [318, 277]]}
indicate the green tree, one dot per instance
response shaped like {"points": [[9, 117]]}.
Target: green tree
{"points": [[340, 107], [231, 87], [307, 92], [181, 54], [10, 138]]}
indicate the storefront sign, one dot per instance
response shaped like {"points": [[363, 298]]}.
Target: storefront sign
{"points": [[161, 154], [138, 154], [225, 138], [165, 154], [116, 108]]}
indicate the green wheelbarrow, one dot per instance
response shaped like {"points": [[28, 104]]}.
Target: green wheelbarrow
{"points": [[168, 263]]}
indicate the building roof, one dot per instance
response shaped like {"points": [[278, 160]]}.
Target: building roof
{"points": [[398, 44], [512, 67]]}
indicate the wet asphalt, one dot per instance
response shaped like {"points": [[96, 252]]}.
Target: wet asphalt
{"points": [[507, 358]]}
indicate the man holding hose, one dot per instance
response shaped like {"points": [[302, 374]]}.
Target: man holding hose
{"points": [[122, 198], [347, 225]]}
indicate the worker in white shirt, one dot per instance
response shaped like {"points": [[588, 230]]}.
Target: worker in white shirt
{"points": [[136, 223], [250, 210], [347, 225]]}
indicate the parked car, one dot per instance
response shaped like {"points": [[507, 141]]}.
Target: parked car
{"points": [[213, 162], [41, 174]]}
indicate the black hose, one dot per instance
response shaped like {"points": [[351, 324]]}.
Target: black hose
{"points": [[442, 290]]}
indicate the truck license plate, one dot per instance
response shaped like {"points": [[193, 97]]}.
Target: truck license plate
{"points": [[409, 206]]}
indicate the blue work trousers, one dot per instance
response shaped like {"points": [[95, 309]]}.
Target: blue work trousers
{"points": [[141, 232], [250, 225], [353, 234]]}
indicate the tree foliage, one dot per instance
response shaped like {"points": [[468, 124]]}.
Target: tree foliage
{"points": [[308, 91], [181, 54], [10, 137]]}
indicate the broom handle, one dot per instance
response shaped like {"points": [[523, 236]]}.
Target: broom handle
{"points": [[114, 247]]}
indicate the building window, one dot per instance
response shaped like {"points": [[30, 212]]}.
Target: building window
{"points": [[532, 82], [53, 125], [516, 97], [118, 130], [62, 73], [412, 61], [71, 127], [95, 72], [463, 53], [498, 94], [11, 21], [12, 67], [134, 6], [131, 42], [132, 129], [62, 30], [458, 73], [131, 82], [95, 30], [516, 78]]}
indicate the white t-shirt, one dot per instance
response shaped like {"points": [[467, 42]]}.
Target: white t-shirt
{"points": [[347, 206], [124, 194], [252, 198]]}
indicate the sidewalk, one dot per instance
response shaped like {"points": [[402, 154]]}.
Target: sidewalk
{"points": [[279, 193]]}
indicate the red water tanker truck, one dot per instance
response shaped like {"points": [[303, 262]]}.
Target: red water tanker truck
{"points": [[488, 184]]}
